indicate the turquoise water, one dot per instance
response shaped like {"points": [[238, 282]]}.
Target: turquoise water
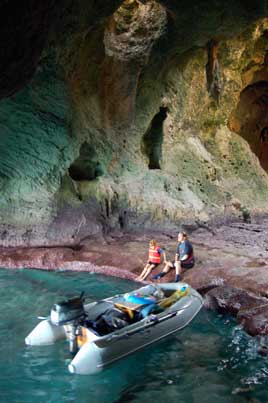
{"points": [[210, 361]]}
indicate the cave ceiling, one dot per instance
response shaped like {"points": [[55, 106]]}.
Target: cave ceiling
{"points": [[25, 27], [122, 114]]}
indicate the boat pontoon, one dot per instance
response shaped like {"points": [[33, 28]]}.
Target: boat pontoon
{"points": [[102, 332]]}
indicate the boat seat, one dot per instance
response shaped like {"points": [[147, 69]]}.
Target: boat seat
{"points": [[133, 302]]}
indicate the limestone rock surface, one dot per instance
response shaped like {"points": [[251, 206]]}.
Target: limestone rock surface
{"points": [[126, 115]]}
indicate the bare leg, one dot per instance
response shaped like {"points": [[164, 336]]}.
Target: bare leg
{"points": [[147, 271], [168, 267], [143, 272], [178, 267], [178, 271]]}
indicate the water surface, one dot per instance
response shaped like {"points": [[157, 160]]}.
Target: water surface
{"points": [[212, 360]]}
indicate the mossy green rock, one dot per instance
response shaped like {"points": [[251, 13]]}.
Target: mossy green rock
{"points": [[85, 145]]}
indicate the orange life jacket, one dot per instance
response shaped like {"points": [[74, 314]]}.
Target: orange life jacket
{"points": [[154, 255]]}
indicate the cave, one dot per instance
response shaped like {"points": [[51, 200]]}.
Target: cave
{"points": [[250, 119], [86, 167], [153, 139], [85, 90]]}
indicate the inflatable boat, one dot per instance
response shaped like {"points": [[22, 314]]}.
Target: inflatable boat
{"points": [[102, 332]]}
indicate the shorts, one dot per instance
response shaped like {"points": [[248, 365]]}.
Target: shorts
{"points": [[184, 265], [155, 264]]}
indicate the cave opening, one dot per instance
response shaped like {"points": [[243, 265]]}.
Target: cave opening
{"points": [[153, 139], [250, 119], [86, 166]]}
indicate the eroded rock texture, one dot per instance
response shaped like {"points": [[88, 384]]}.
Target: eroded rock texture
{"points": [[130, 114]]}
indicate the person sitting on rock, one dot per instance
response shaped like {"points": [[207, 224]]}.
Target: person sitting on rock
{"points": [[184, 258], [153, 261]]}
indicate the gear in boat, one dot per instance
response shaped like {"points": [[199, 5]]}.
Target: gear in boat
{"points": [[105, 331], [120, 312]]}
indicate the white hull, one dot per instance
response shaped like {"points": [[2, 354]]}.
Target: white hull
{"points": [[45, 333]]}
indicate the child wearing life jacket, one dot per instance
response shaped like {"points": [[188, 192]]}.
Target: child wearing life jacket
{"points": [[154, 259]]}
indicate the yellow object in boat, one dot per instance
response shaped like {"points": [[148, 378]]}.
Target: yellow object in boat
{"points": [[176, 296]]}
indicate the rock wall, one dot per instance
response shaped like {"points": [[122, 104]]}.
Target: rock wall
{"points": [[127, 115]]}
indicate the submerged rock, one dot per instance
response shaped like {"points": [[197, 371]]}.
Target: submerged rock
{"points": [[251, 311], [227, 299], [255, 321]]}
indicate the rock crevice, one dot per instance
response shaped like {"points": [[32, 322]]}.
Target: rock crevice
{"points": [[164, 105]]}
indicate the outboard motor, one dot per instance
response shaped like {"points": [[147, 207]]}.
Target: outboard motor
{"points": [[70, 312]]}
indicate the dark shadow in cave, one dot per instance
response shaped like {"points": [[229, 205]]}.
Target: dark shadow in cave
{"points": [[212, 70], [86, 167], [153, 139], [250, 119]]}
